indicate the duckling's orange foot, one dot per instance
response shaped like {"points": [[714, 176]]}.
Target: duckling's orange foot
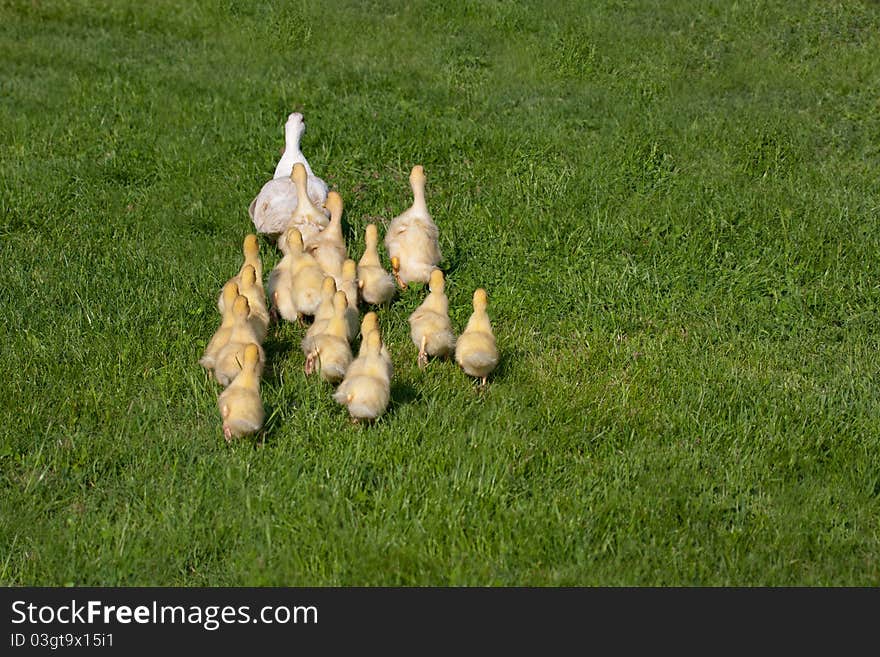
{"points": [[227, 433], [423, 360], [274, 318], [310, 364]]}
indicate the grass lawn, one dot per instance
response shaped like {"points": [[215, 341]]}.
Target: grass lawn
{"points": [[673, 206]]}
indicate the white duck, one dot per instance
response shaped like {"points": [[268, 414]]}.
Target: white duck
{"points": [[412, 238], [272, 207]]}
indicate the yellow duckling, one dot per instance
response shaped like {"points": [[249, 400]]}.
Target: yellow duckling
{"points": [[324, 313], [330, 348], [366, 388], [412, 239], [251, 250], [430, 328], [307, 218], [256, 300], [306, 276], [348, 283], [240, 405], [475, 350], [328, 246], [295, 282], [231, 357], [279, 287], [376, 285], [221, 335], [369, 324]]}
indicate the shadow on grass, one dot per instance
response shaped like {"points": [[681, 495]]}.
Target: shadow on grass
{"points": [[402, 394], [506, 359]]}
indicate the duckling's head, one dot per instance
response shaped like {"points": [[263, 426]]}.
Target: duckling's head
{"points": [[294, 239], [334, 203], [230, 291], [248, 276], [328, 287], [369, 323], [251, 355], [417, 175], [481, 300], [299, 174], [349, 270], [251, 246], [371, 234], [241, 308], [437, 282], [340, 302]]}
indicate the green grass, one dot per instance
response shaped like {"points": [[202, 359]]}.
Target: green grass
{"points": [[673, 206]]}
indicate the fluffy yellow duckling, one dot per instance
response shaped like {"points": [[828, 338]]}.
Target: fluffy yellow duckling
{"points": [[330, 348], [309, 219], [272, 207], [221, 335], [376, 285], [295, 283], [240, 405], [324, 313], [369, 324], [412, 239], [231, 356], [256, 300], [430, 328], [366, 388], [251, 250], [328, 246], [475, 350], [278, 287], [348, 283]]}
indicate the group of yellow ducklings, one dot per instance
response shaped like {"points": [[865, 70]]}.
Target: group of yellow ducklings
{"points": [[316, 279]]}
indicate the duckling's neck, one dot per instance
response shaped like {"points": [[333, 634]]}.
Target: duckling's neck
{"points": [[336, 326], [437, 301], [247, 378], [335, 226], [371, 254], [253, 258], [304, 203], [479, 321], [418, 190]]}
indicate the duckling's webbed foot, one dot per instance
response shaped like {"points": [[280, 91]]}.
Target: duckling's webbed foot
{"points": [[395, 269], [423, 354], [227, 433], [274, 317]]}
